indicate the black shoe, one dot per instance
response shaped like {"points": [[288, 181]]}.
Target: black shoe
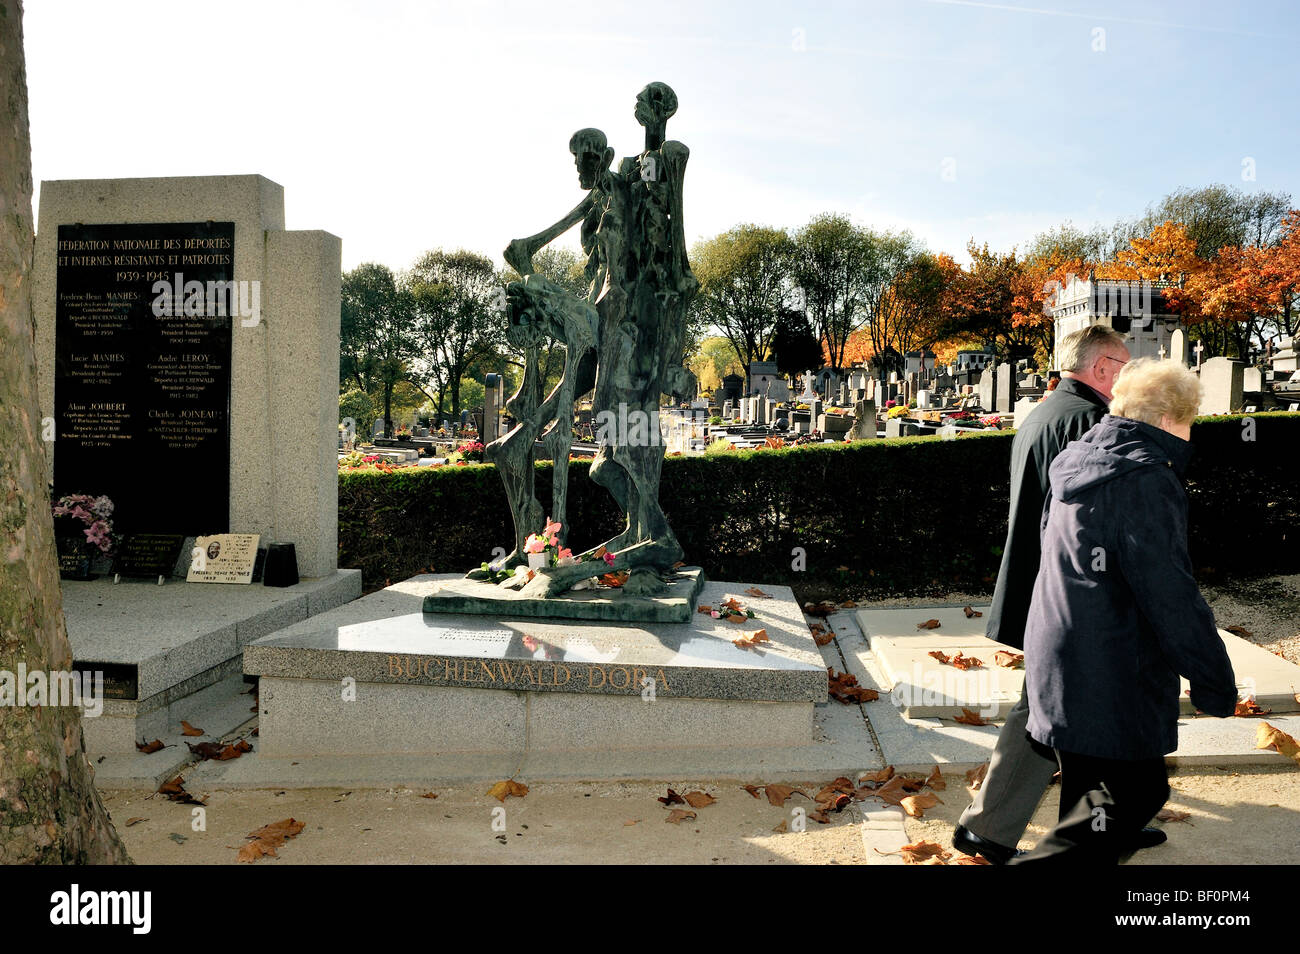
{"points": [[1147, 838], [969, 843]]}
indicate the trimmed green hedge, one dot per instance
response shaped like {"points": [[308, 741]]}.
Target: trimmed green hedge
{"points": [[913, 515]]}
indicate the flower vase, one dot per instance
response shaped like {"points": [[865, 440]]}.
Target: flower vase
{"points": [[538, 561]]}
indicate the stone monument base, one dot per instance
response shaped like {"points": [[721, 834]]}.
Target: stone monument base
{"points": [[381, 677]]}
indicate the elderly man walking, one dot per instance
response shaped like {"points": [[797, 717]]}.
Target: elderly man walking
{"points": [[1090, 361]]}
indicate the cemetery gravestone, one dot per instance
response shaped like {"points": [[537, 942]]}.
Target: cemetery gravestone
{"points": [[1005, 386], [1221, 381], [1178, 347]]}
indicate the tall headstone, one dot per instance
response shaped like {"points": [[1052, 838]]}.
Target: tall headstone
{"points": [[198, 406], [984, 388], [1252, 380], [493, 402], [1221, 382], [1178, 347], [864, 421], [1006, 389]]}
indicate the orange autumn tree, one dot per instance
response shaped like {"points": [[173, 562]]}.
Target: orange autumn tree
{"points": [[1248, 293], [1164, 254]]}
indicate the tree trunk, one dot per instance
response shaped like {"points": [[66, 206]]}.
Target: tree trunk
{"points": [[50, 812]]}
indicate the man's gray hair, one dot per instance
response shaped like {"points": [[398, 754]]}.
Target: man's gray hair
{"points": [[1081, 349]]}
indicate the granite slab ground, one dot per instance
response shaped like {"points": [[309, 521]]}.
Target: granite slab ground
{"points": [[158, 645], [923, 686], [915, 744]]}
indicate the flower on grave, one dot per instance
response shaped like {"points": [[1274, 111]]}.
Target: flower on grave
{"points": [[92, 512], [897, 410], [470, 451], [890, 403], [535, 544], [609, 558], [991, 420]]}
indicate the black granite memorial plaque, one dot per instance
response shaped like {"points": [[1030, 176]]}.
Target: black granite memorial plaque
{"points": [[142, 372], [148, 554]]}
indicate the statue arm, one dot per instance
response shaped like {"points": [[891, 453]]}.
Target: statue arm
{"points": [[519, 253]]}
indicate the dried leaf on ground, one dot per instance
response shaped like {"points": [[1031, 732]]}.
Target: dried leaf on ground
{"points": [[936, 780], [975, 776], [971, 612], [630, 822], [174, 789], [781, 828], [928, 624], [752, 640], [672, 798], [883, 775], [820, 634], [752, 789], [966, 662], [843, 687], [915, 805], [972, 860], [848, 604], [1267, 736], [824, 608], [148, 748], [1239, 631], [187, 729], [1171, 815], [135, 821], [501, 790], [263, 842], [778, 794], [919, 852], [892, 792], [1009, 660], [1248, 708], [678, 815], [699, 799], [758, 594], [429, 795], [970, 718], [820, 817], [234, 751]]}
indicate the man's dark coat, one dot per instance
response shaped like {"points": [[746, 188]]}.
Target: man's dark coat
{"points": [[1065, 415]]}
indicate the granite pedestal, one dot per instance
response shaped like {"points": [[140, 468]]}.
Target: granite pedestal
{"points": [[381, 677]]}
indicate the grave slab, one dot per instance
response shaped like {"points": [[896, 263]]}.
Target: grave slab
{"points": [[923, 687], [918, 744], [159, 644]]}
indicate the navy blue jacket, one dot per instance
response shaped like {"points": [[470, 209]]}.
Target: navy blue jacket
{"points": [[1116, 616], [1065, 415]]}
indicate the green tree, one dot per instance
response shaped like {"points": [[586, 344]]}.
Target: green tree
{"points": [[376, 334], [744, 277], [795, 347], [1215, 216], [459, 303], [714, 359], [832, 264]]}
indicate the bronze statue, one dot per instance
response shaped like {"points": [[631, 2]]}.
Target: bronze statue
{"points": [[626, 338]]}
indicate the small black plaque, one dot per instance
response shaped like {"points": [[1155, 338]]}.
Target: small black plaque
{"points": [[148, 554]]}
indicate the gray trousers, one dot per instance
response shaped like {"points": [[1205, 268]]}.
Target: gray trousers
{"points": [[1014, 784]]}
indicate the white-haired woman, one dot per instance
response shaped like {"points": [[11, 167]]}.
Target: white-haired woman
{"points": [[1116, 616]]}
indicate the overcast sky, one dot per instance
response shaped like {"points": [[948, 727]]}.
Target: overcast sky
{"points": [[404, 126]]}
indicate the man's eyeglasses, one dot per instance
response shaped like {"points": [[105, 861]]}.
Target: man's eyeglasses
{"points": [[1106, 357]]}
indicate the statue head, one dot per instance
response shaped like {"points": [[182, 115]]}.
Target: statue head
{"points": [[592, 155], [655, 104]]}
